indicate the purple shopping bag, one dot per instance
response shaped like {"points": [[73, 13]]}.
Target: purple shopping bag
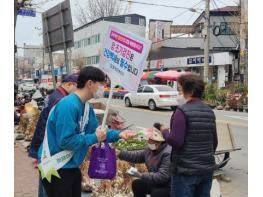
{"points": [[102, 162]]}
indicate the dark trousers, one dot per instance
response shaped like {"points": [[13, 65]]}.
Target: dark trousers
{"points": [[191, 186], [141, 188], [41, 189], [69, 185]]}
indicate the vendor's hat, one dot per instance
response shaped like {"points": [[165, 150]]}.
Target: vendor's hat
{"points": [[155, 135]]}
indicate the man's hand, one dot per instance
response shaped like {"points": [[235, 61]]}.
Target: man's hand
{"points": [[128, 134], [164, 128], [101, 134], [160, 126]]}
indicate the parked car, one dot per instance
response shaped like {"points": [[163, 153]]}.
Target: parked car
{"points": [[153, 96], [27, 85]]}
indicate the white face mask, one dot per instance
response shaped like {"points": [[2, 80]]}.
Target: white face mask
{"points": [[181, 100], [99, 93], [152, 146]]}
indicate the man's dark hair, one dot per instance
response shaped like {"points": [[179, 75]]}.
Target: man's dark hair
{"points": [[192, 83], [90, 73]]}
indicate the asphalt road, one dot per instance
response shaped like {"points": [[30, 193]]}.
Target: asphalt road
{"points": [[237, 167]]}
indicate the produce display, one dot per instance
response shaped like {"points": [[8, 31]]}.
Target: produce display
{"points": [[28, 121], [132, 144]]}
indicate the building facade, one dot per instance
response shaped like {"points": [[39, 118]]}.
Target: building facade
{"points": [[176, 52]]}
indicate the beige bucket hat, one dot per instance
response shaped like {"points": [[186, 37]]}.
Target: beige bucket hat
{"points": [[155, 134]]}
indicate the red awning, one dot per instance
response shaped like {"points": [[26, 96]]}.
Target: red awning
{"points": [[172, 75]]}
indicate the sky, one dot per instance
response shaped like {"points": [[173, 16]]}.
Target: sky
{"points": [[29, 29]]}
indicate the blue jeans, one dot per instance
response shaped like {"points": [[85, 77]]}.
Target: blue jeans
{"points": [[191, 186], [41, 189]]}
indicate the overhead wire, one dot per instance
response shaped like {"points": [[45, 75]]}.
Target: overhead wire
{"points": [[153, 4], [236, 41], [192, 7]]}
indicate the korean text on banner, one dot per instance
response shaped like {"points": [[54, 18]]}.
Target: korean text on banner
{"points": [[123, 57]]}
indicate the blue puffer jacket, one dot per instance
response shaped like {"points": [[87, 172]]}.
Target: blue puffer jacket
{"points": [[38, 137]]}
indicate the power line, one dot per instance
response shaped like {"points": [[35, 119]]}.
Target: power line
{"points": [[153, 4], [191, 9], [187, 21], [235, 15], [43, 2], [41, 48], [236, 39]]}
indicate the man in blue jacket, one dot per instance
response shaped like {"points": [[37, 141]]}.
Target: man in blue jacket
{"points": [[66, 131], [69, 85]]}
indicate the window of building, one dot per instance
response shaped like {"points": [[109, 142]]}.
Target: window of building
{"points": [[79, 44], [141, 21], [92, 60], [128, 20], [162, 33], [98, 37], [97, 59], [86, 42]]}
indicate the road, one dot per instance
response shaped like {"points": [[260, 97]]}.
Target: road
{"points": [[236, 169]]}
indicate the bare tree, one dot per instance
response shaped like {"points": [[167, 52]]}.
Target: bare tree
{"points": [[59, 60], [78, 60], [94, 9]]}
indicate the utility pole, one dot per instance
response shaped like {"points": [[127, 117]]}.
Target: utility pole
{"points": [[43, 59], [243, 39], [206, 41]]}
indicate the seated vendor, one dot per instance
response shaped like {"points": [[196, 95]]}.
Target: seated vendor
{"points": [[156, 156]]}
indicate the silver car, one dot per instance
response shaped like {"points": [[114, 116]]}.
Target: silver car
{"points": [[153, 96]]}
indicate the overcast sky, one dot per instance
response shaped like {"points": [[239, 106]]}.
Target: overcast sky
{"points": [[28, 29]]}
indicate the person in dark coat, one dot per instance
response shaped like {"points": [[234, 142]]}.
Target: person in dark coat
{"points": [[193, 138], [156, 156], [69, 85]]}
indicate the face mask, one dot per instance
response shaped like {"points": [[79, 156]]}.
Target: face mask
{"points": [[152, 146], [99, 93], [181, 100]]}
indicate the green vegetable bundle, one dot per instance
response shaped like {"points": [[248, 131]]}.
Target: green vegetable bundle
{"points": [[132, 144]]}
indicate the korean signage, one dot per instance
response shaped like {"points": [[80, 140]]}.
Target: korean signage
{"points": [[123, 57], [197, 60], [26, 12]]}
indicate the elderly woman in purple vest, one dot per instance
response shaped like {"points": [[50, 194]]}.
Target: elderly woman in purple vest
{"points": [[193, 138], [156, 156]]}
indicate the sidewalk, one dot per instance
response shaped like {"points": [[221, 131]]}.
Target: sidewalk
{"points": [[26, 177]]}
